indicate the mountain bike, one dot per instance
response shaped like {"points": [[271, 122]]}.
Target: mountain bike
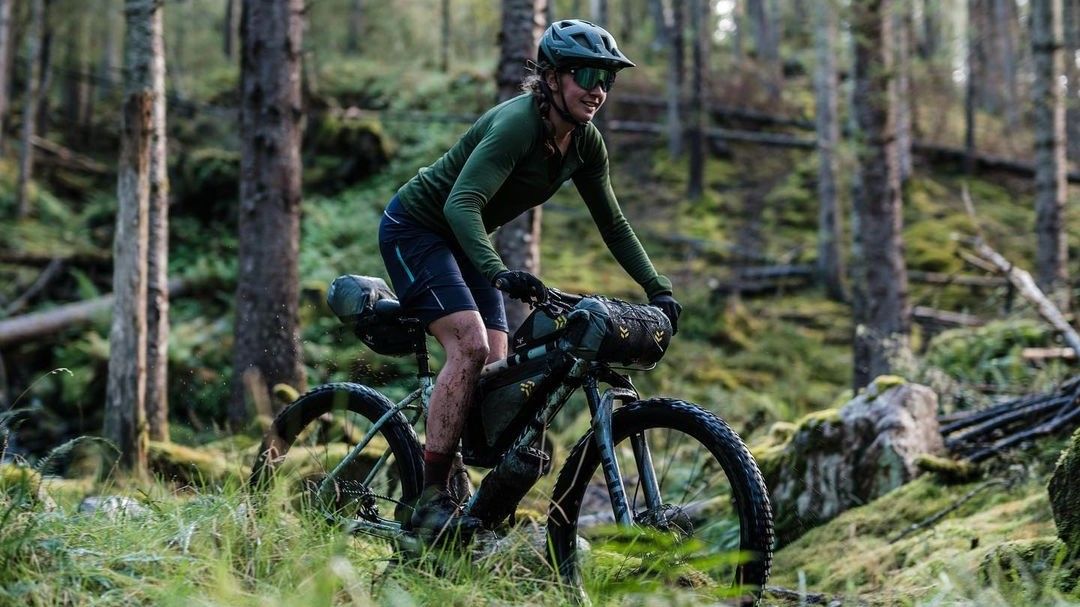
{"points": [[658, 465]]}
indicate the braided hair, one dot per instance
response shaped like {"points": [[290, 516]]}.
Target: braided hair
{"points": [[535, 84]]}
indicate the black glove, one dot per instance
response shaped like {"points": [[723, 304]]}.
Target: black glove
{"points": [[670, 308], [521, 285]]}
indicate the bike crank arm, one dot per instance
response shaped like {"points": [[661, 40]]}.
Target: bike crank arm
{"points": [[602, 432]]}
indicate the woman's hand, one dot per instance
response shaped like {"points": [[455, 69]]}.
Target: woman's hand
{"points": [[670, 308], [521, 285]]}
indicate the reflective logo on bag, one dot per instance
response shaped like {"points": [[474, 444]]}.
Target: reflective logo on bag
{"points": [[658, 336], [527, 388], [560, 322], [624, 332]]}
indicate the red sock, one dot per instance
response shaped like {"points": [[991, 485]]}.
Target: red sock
{"points": [[437, 468]]}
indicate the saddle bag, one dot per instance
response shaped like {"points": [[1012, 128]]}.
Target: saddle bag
{"points": [[352, 298], [602, 329]]}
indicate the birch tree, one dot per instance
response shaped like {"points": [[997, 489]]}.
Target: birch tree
{"points": [[1050, 186], [125, 413], [881, 309], [157, 311], [267, 348]]}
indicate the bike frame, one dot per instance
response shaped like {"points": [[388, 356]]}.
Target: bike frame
{"points": [[601, 405]]}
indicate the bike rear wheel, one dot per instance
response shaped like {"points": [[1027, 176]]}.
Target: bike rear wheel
{"points": [[313, 434], [705, 508]]}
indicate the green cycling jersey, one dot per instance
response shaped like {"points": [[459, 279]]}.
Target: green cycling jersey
{"points": [[499, 169]]}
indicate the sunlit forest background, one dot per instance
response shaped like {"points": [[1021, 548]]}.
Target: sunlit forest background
{"points": [[716, 141]]}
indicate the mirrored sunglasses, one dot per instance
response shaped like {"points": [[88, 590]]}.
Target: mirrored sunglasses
{"points": [[588, 77]]}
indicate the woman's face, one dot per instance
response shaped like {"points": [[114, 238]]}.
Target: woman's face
{"points": [[581, 104]]}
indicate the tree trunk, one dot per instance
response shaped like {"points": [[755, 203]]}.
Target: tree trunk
{"points": [[830, 263], [1072, 76], [970, 89], [356, 26], [1004, 18], [5, 71], [267, 293], [75, 88], [598, 13], [700, 17], [766, 44], [676, 63], [45, 70], [444, 47], [228, 30], [157, 311], [518, 242], [30, 107], [1050, 187], [125, 414], [881, 309], [930, 32], [901, 22], [107, 72]]}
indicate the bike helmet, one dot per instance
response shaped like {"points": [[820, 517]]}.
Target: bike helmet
{"points": [[573, 42]]}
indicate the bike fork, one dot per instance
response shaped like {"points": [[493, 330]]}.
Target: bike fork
{"points": [[601, 407]]}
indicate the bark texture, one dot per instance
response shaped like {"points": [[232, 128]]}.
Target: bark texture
{"points": [[1050, 187], [30, 107], [830, 264], [157, 310], [267, 345], [881, 308], [518, 242], [125, 414]]}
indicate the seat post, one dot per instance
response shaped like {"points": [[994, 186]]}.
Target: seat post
{"points": [[423, 364]]}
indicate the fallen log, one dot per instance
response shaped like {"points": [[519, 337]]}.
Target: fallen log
{"points": [[36, 325], [38, 259], [68, 158], [1041, 354], [981, 435], [963, 280], [943, 318], [759, 138], [51, 271], [935, 153], [1025, 284]]}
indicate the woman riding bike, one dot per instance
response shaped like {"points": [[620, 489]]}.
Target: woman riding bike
{"points": [[434, 233]]}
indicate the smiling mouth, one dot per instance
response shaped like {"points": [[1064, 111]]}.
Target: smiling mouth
{"points": [[591, 106]]}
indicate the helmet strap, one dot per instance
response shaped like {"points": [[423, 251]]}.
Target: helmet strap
{"points": [[562, 111]]}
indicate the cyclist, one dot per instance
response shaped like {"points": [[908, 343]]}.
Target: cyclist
{"points": [[434, 233]]}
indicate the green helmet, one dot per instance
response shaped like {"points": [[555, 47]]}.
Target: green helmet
{"points": [[574, 42]]}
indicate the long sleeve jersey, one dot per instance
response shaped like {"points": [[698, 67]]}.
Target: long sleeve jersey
{"points": [[499, 169]]}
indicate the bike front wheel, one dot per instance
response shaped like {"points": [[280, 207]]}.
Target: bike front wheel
{"points": [[310, 437], [699, 507]]}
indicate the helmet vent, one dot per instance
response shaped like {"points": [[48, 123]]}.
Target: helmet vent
{"points": [[581, 39]]}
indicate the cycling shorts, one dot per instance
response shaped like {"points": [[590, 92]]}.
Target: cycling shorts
{"points": [[431, 274]]}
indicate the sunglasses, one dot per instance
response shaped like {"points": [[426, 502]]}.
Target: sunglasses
{"points": [[588, 77]]}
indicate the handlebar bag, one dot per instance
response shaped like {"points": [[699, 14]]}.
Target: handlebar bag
{"points": [[352, 298], [601, 329]]}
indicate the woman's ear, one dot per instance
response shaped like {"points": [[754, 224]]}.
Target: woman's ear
{"points": [[552, 79]]}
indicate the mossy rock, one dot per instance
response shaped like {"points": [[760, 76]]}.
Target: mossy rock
{"points": [[191, 466], [1065, 495], [23, 485], [1030, 569]]}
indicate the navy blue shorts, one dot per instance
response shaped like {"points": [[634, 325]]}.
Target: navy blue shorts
{"points": [[431, 274]]}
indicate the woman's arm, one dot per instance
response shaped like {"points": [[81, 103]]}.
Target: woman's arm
{"points": [[593, 182]]}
